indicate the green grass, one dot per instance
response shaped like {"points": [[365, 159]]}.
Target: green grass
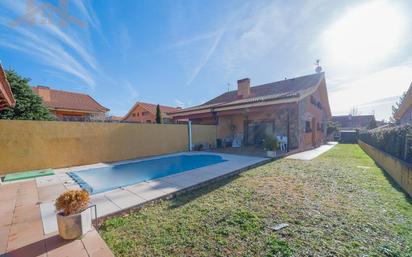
{"points": [[340, 204]]}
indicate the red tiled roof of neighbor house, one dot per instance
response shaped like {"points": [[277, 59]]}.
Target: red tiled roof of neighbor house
{"points": [[64, 100], [289, 88], [6, 96], [152, 109]]}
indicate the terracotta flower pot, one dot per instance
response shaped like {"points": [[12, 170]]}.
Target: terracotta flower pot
{"points": [[75, 225]]}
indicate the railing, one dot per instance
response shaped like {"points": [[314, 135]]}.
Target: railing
{"points": [[396, 141]]}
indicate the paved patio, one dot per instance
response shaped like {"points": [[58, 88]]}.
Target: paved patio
{"points": [[312, 154], [28, 225], [21, 228]]}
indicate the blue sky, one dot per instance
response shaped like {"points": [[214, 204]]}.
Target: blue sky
{"points": [[182, 53]]}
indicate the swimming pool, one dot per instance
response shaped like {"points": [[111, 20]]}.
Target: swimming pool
{"points": [[99, 180]]}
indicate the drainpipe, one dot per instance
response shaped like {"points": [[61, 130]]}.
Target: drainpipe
{"points": [[189, 129]]}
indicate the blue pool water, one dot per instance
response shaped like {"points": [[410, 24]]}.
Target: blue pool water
{"points": [[98, 180]]}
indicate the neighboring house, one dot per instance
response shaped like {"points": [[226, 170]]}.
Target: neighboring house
{"points": [[6, 96], [70, 106], [297, 108], [404, 114], [146, 113], [352, 122], [114, 118]]}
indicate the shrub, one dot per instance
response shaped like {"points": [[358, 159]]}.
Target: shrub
{"points": [[395, 141], [72, 202], [271, 144]]}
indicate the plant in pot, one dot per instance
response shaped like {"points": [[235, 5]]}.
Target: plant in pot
{"points": [[74, 219], [271, 144]]}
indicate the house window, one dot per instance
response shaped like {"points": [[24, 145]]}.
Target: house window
{"points": [[148, 121], [307, 127], [134, 114], [145, 113]]}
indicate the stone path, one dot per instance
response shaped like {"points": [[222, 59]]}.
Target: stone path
{"points": [[312, 154]]}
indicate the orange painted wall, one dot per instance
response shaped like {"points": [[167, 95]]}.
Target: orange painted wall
{"points": [[139, 117]]}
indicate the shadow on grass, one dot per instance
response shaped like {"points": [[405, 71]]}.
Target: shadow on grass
{"points": [[394, 184], [186, 197]]}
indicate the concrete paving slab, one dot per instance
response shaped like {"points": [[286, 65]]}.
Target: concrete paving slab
{"points": [[104, 206], [312, 154], [123, 198], [47, 180], [48, 216], [147, 191]]}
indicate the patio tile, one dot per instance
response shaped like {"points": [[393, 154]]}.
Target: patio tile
{"points": [[48, 216], [56, 246], [6, 212], [123, 198], [4, 235], [149, 191], [51, 192], [23, 234], [95, 246], [104, 206], [184, 180], [47, 180]]}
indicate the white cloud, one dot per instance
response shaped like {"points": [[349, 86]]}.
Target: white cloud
{"points": [[384, 84]]}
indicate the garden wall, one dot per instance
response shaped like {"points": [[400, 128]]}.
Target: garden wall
{"points": [[399, 170], [28, 145]]}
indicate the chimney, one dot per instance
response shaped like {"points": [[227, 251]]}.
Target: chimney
{"points": [[44, 93], [243, 88]]}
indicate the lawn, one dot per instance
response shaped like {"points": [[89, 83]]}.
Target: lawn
{"points": [[340, 204]]}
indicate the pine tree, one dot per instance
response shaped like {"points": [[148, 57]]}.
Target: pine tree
{"points": [[158, 115], [372, 124], [28, 105]]}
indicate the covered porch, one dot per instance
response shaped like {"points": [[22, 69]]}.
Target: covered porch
{"points": [[246, 128]]}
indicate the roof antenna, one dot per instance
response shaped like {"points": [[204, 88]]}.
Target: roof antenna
{"points": [[318, 68], [228, 87]]}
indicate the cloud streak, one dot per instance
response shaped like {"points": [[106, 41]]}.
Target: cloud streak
{"points": [[50, 45]]}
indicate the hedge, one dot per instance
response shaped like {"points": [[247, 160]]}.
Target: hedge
{"points": [[396, 141]]}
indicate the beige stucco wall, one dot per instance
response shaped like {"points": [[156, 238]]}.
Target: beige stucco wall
{"points": [[400, 171], [28, 145], [204, 134]]}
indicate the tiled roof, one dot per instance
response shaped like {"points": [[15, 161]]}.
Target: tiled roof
{"points": [[152, 109], [60, 99], [287, 88], [353, 121], [6, 96]]}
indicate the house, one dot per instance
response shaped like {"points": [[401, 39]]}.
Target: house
{"points": [[353, 122], [146, 113], [295, 108], [6, 96], [403, 116], [70, 106]]}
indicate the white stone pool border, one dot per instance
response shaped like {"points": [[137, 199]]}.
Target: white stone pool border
{"points": [[123, 199]]}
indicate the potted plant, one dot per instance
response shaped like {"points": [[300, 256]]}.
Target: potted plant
{"points": [[74, 219], [271, 144]]}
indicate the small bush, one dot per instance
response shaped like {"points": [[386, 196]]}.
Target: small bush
{"points": [[271, 144], [72, 202]]}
